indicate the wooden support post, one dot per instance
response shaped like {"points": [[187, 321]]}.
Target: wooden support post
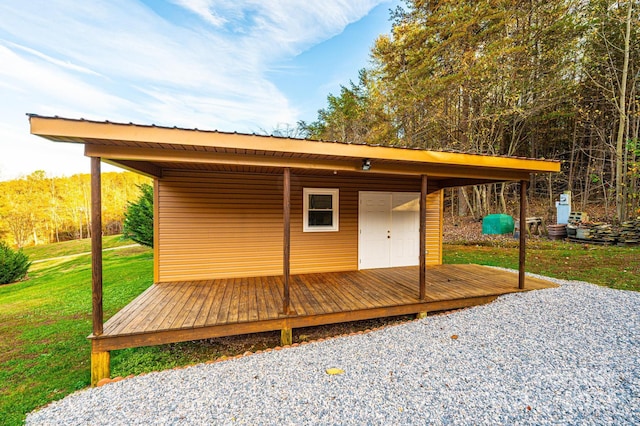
{"points": [[286, 336], [100, 366], [156, 230], [523, 226], [286, 208], [421, 315], [423, 237], [96, 246]]}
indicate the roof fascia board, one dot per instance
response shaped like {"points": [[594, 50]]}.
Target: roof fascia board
{"points": [[73, 130]]}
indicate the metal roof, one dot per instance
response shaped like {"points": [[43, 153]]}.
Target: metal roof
{"points": [[150, 149]]}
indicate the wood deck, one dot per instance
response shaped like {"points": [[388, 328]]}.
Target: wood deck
{"points": [[181, 311]]}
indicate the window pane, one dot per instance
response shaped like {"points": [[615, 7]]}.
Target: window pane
{"points": [[321, 218], [320, 201]]}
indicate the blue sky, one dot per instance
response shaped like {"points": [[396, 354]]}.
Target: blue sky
{"points": [[234, 65]]}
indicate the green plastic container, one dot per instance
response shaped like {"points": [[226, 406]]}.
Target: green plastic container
{"points": [[497, 224]]}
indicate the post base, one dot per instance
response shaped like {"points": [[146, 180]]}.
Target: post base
{"points": [[100, 366], [286, 336]]}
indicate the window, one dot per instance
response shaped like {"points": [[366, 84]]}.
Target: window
{"points": [[320, 209]]}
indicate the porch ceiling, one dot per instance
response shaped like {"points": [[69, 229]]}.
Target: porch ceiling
{"points": [[151, 150]]}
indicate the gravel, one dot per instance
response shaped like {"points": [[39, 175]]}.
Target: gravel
{"points": [[568, 355]]}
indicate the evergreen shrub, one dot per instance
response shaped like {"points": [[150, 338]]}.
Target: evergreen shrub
{"points": [[14, 265], [138, 218]]}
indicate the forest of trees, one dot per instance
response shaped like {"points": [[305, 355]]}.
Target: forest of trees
{"points": [[553, 79], [38, 209]]}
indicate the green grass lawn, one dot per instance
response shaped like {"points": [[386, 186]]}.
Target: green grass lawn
{"points": [[44, 322], [66, 248], [610, 266]]}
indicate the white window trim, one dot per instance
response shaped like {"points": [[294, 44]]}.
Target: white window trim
{"points": [[335, 198]]}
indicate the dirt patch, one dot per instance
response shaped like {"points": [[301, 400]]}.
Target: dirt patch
{"points": [[466, 230], [236, 345], [231, 346]]}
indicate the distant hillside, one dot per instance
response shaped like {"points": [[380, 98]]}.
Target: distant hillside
{"points": [[38, 209]]}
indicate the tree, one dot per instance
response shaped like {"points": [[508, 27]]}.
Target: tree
{"points": [[622, 116], [14, 265], [487, 76], [356, 115], [287, 130], [21, 207], [38, 209], [609, 102], [138, 218]]}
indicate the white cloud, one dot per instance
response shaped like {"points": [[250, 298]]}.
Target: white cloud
{"points": [[42, 81], [54, 61], [122, 61], [279, 27], [191, 111], [202, 8]]}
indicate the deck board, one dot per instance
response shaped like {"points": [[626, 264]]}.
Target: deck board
{"points": [[301, 298], [263, 301], [253, 313], [223, 303], [124, 316], [273, 295], [327, 301], [198, 299], [193, 304], [148, 310], [208, 304], [172, 312]]}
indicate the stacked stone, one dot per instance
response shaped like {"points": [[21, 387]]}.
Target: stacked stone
{"points": [[630, 232]]}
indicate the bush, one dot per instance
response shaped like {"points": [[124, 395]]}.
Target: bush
{"points": [[138, 219], [14, 265]]}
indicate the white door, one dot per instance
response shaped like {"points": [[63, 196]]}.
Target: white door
{"points": [[374, 243], [388, 229], [405, 229]]}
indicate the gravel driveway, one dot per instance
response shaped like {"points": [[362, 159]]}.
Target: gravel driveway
{"points": [[569, 355]]}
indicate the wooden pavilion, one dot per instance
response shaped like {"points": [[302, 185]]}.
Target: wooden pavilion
{"points": [[256, 233]]}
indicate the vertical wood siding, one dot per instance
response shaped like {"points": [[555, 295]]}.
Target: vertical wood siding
{"points": [[224, 225]]}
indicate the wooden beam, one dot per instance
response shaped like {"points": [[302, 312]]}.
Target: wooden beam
{"points": [[158, 337], [423, 237], [96, 245], [165, 155], [441, 228], [141, 167], [523, 233], [156, 231], [286, 256]]}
